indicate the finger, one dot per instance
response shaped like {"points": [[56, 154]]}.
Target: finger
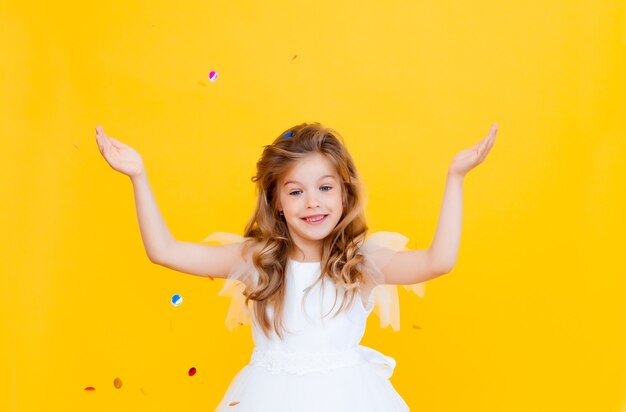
{"points": [[107, 139], [483, 150], [487, 149], [106, 147], [100, 135], [478, 146], [117, 143], [99, 142], [483, 145], [100, 131], [493, 132], [490, 139], [103, 144]]}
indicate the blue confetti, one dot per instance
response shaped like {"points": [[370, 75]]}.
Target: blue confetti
{"points": [[177, 300]]}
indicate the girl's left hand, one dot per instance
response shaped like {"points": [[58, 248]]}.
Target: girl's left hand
{"points": [[472, 157]]}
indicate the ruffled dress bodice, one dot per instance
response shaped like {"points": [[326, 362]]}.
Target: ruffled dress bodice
{"points": [[312, 341], [306, 327]]}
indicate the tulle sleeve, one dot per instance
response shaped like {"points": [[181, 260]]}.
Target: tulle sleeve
{"points": [[378, 249], [242, 275]]}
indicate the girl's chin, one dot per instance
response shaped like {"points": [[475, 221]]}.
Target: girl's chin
{"points": [[309, 231]]}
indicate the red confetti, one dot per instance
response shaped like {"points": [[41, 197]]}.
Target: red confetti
{"points": [[192, 371], [117, 383], [90, 388], [233, 403]]}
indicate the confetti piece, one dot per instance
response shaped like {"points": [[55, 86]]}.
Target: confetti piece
{"points": [[192, 371], [416, 327], [294, 57], [233, 403], [90, 388], [213, 76], [143, 391], [177, 300], [75, 145], [117, 383]]}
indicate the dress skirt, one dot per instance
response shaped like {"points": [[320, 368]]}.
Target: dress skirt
{"points": [[356, 380]]}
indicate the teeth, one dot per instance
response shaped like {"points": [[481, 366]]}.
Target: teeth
{"points": [[315, 219]]}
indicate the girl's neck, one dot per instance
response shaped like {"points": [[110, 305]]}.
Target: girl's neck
{"points": [[300, 258], [305, 261], [306, 250], [308, 257]]}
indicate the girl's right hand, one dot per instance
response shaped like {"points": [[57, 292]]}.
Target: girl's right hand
{"points": [[120, 156]]}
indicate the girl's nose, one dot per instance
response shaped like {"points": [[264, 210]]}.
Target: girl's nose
{"points": [[312, 201]]}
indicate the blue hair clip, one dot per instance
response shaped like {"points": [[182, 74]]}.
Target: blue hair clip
{"points": [[288, 134]]}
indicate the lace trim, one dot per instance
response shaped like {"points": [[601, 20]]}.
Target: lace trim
{"points": [[300, 363]]}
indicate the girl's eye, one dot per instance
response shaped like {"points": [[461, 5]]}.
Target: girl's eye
{"points": [[298, 191]]}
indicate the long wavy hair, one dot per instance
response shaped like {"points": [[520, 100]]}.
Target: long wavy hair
{"points": [[268, 235]]}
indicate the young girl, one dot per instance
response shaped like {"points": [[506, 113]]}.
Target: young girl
{"points": [[305, 274]]}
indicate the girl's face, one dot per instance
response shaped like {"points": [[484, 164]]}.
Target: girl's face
{"points": [[312, 188]]}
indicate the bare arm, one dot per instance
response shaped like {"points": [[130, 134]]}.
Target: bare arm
{"points": [[415, 266], [161, 247], [409, 267], [445, 247], [200, 259], [154, 232]]}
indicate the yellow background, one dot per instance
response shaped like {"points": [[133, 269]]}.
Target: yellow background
{"points": [[532, 318]]}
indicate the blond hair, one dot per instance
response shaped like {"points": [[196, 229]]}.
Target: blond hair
{"points": [[268, 233]]}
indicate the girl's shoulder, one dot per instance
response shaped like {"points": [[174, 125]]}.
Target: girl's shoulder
{"points": [[245, 249], [378, 249], [243, 274]]}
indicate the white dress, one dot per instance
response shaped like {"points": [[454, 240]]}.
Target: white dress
{"points": [[319, 365]]}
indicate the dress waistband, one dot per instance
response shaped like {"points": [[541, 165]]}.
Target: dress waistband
{"points": [[299, 363]]}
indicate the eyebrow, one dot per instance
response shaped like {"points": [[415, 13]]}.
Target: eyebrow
{"points": [[295, 181]]}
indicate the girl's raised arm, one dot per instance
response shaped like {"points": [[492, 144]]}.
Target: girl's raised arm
{"points": [[161, 248]]}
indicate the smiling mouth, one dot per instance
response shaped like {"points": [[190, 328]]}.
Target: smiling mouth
{"points": [[316, 219]]}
